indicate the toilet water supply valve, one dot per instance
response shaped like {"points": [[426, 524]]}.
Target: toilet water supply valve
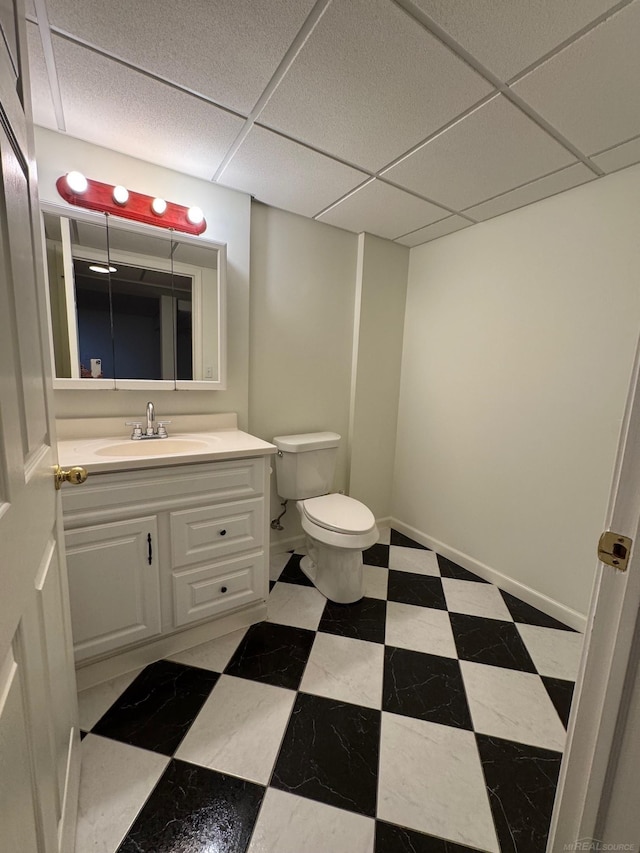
{"points": [[275, 524]]}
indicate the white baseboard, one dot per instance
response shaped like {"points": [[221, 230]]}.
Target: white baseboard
{"points": [[289, 544], [550, 606], [88, 675]]}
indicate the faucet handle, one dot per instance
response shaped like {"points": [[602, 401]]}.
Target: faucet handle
{"points": [[137, 428], [161, 429]]}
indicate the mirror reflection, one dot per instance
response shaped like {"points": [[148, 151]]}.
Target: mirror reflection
{"points": [[127, 304]]}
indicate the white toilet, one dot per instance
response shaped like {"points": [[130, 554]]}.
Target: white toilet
{"points": [[337, 527]]}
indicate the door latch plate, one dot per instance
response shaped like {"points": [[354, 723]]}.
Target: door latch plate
{"points": [[614, 550]]}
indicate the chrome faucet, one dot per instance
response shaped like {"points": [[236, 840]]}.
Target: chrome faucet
{"points": [[153, 430]]}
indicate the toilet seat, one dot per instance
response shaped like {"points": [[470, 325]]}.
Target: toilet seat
{"points": [[340, 514]]}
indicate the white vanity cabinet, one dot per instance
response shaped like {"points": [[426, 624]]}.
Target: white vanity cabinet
{"points": [[153, 552]]}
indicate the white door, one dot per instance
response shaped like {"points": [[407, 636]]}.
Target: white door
{"points": [[598, 789], [39, 739]]}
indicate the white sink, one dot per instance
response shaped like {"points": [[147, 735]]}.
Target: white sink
{"points": [[155, 447]]}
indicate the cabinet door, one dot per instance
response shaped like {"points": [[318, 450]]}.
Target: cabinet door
{"points": [[114, 585]]}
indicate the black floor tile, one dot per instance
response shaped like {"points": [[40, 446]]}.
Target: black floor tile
{"points": [[273, 654], [195, 809], [83, 734], [292, 573], [410, 588], [271, 585], [490, 641], [428, 687], [528, 615], [157, 709], [330, 753], [377, 555], [400, 539], [521, 782], [449, 569], [398, 839], [561, 694], [363, 620]]}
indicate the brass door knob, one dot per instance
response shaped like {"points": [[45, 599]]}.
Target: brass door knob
{"points": [[76, 476]]}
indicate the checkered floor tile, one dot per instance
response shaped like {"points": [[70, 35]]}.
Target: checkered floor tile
{"points": [[427, 718]]}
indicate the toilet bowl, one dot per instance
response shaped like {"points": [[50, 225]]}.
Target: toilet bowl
{"points": [[337, 529]]}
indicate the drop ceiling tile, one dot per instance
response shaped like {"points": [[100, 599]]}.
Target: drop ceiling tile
{"points": [[227, 51], [508, 36], [494, 149], [432, 232], [589, 91], [43, 113], [619, 157], [369, 84], [382, 210], [285, 174], [126, 111], [536, 190]]}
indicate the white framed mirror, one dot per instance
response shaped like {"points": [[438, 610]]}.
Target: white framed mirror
{"points": [[132, 306]]}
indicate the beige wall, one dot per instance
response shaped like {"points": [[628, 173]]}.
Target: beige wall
{"points": [[380, 303], [228, 221], [518, 345], [302, 310]]}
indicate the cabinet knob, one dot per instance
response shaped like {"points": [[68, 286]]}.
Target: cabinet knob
{"points": [[223, 589], [223, 532]]}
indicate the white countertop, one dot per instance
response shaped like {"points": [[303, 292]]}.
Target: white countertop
{"points": [[121, 453]]}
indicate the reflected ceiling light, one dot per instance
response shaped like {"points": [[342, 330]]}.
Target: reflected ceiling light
{"points": [[77, 182], [195, 215], [159, 206], [104, 270], [120, 194]]}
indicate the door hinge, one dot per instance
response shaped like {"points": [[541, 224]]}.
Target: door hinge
{"points": [[614, 550]]}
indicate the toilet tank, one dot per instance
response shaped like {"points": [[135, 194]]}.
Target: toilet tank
{"points": [[305, 464]]}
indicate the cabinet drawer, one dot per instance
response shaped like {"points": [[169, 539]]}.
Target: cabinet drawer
{"points": [[209, 533], [209, 590]]}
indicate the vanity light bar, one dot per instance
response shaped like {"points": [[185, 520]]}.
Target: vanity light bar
{"points": [[127, 204]]}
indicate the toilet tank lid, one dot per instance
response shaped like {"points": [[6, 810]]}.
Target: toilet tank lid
{"points": [[306, 441]]}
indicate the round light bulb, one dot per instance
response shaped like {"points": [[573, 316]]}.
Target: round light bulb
{"points": [[120, 194], [195, 215], [104, 270], [77, 182], [159, 206]]}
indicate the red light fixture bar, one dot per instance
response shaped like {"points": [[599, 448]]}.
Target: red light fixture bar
{"points": [[94, 195]]}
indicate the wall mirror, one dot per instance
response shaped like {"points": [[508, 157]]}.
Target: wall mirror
{"points": [[132, 306]]}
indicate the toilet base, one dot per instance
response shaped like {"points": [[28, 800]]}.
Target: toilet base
{"points": [[335, 572]]}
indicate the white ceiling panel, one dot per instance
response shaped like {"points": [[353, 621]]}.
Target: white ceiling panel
{"points": [[109, 105], [227, 51], [432, 232], [43, 113], [369, 84], [312, 182], [573, 176], [383, 210], [508, 36], [619, 157], [494, 149], [589, 91]]}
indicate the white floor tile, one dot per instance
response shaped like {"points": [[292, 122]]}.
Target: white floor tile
{"points": [[431, 780], [414, 560], [376, 579], [384, 535], [277, 562], [512, 705], [345, 669], [554, 653], [115, 781], [96, 701], [475, 599], [422, 629], [291, 824], [239, 728], [213, 655], [296, 605]]}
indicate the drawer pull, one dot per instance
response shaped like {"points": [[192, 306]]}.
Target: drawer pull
{"points": [[223, 532], [223, 589], [149, 549]]}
